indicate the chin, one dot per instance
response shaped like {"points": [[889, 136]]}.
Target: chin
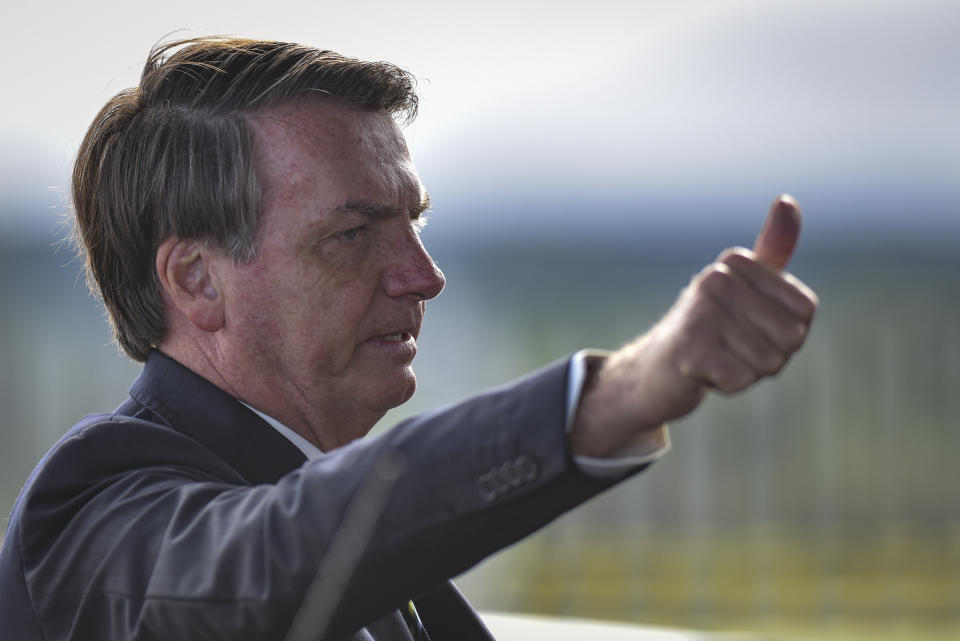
{"points": [[407, 393], [400, 391]]}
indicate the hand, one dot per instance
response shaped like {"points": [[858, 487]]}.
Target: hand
{"points": [[738, 321]]}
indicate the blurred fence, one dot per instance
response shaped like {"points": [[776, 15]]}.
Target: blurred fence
{"points": [[824, 503]]}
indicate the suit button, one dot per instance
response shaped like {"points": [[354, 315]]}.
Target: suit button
{"points": [[507, 477], [487, 484], [527, 469]]}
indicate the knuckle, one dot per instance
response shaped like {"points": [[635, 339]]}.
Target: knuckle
{"points": [[743, 380], [737, 257], [790, 337], [716, 279], [732, 386], [775, 363], [805, 300], [725, 376], [726, 254], [799, 335], [810, 305]]}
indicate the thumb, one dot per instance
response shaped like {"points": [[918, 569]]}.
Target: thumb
{"points": [[778, 237]]}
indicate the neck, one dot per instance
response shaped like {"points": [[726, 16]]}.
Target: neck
{"points": [[327, 426]]}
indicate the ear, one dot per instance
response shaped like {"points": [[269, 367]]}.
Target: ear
{"points": [[183, 267]]}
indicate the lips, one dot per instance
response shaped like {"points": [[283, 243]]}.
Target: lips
{"points": [[393, 345], [399, 339], [401, 330], [398, 335]]}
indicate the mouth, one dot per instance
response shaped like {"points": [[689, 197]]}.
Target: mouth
{"points": [[395, 338], [400, 343]]}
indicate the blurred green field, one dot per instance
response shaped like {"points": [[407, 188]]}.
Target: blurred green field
{"points": [[903, 584]]}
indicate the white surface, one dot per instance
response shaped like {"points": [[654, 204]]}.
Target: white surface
{"points": [[514, 627]]}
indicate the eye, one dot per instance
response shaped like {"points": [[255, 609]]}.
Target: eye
{"points": [[352, 234], [419, 222]]}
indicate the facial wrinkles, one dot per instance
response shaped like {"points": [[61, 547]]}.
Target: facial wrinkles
{"points": [[373, 140], [380, 142]]}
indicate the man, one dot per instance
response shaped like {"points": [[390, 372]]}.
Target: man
{"points": [[251, 217]]}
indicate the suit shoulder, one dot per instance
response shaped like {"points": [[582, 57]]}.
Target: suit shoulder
{"points": [[109, 450], [102, 445]]}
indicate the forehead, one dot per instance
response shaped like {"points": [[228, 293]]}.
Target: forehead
{"points": [[344, 152]]}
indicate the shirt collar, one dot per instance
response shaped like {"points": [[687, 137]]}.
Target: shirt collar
{"points": [[309, 450]]}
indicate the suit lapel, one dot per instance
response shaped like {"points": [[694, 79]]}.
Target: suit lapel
{"points": [[389, 628], [446, 614], [199, 409]]}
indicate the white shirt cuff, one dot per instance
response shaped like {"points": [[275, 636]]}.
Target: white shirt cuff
{"points": [[645, 448]]}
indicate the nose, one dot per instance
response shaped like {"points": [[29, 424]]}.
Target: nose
{"points": [[413, 273]]}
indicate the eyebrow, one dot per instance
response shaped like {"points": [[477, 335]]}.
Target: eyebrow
{"points": [[382, 210]]}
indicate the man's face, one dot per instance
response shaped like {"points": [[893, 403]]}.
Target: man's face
{"points": [[325, 319]]}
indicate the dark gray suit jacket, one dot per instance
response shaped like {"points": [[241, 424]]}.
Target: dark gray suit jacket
{"points": [[183, 515]]}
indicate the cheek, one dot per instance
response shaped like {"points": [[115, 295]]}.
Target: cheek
{"points": [[322, 324], [304, 313], [342, 317], [256, 309]]}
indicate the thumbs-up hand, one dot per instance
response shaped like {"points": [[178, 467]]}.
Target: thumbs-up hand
{"points": [[740, 320]]}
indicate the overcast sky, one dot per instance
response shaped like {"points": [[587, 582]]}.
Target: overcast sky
{"points": [[630, 112]]}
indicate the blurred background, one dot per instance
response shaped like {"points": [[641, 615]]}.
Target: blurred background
{"points": [[585, 160]]}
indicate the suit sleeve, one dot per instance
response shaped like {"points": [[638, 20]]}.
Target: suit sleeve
{"points": [[162, 543]]}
